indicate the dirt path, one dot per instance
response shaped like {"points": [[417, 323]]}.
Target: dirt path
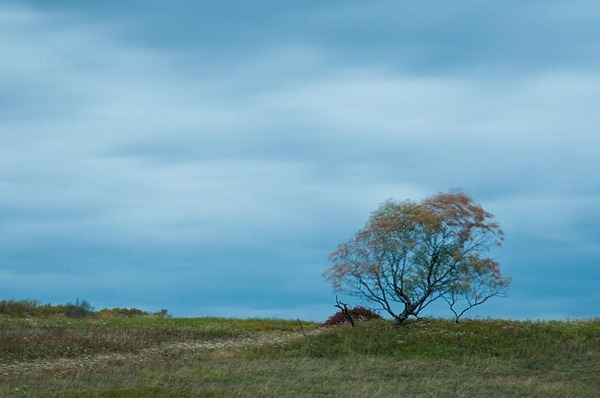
{"points": [[59, 366]]}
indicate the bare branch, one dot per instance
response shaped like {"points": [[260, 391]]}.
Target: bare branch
{"points": [[344, 308]]}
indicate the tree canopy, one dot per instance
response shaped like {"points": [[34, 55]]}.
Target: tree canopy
{"points": [[410, 254]]}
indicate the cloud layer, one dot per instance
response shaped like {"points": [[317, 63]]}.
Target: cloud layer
{"points": [[217, 162]]}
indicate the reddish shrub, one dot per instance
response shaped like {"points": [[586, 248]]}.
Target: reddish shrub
{"points": [[357, 313]]}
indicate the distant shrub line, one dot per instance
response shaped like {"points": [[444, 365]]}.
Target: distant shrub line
{"points": [[78, 310]]}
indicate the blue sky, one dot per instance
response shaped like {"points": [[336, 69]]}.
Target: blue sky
{"points": [[206, 157]]}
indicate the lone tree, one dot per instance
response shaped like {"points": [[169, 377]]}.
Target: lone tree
{"points": [[411, 254]]}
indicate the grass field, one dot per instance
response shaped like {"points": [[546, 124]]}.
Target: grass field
{"points": [[212, 357]]}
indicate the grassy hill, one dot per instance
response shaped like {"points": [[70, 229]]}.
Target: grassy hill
{"points": [[212, 357]]}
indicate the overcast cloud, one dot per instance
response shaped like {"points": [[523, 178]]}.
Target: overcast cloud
{"points": [[206, 158]]}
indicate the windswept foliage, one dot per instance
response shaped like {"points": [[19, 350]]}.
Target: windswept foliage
{"points": [[411, 254]]}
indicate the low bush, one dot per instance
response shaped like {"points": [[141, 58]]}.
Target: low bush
{"points": [[81, 309], [29, 308], [18, 308], [357, 313], [121, 313], [164, 313]]}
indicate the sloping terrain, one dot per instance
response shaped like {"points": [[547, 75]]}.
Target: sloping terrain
{"points": [[215, 357]]}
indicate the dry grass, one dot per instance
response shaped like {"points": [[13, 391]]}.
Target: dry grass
{"points": [[266, 358]]}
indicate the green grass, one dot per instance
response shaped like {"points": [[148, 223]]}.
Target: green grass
{"points": [[428, 358], [441, 339], [35, 338]]}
